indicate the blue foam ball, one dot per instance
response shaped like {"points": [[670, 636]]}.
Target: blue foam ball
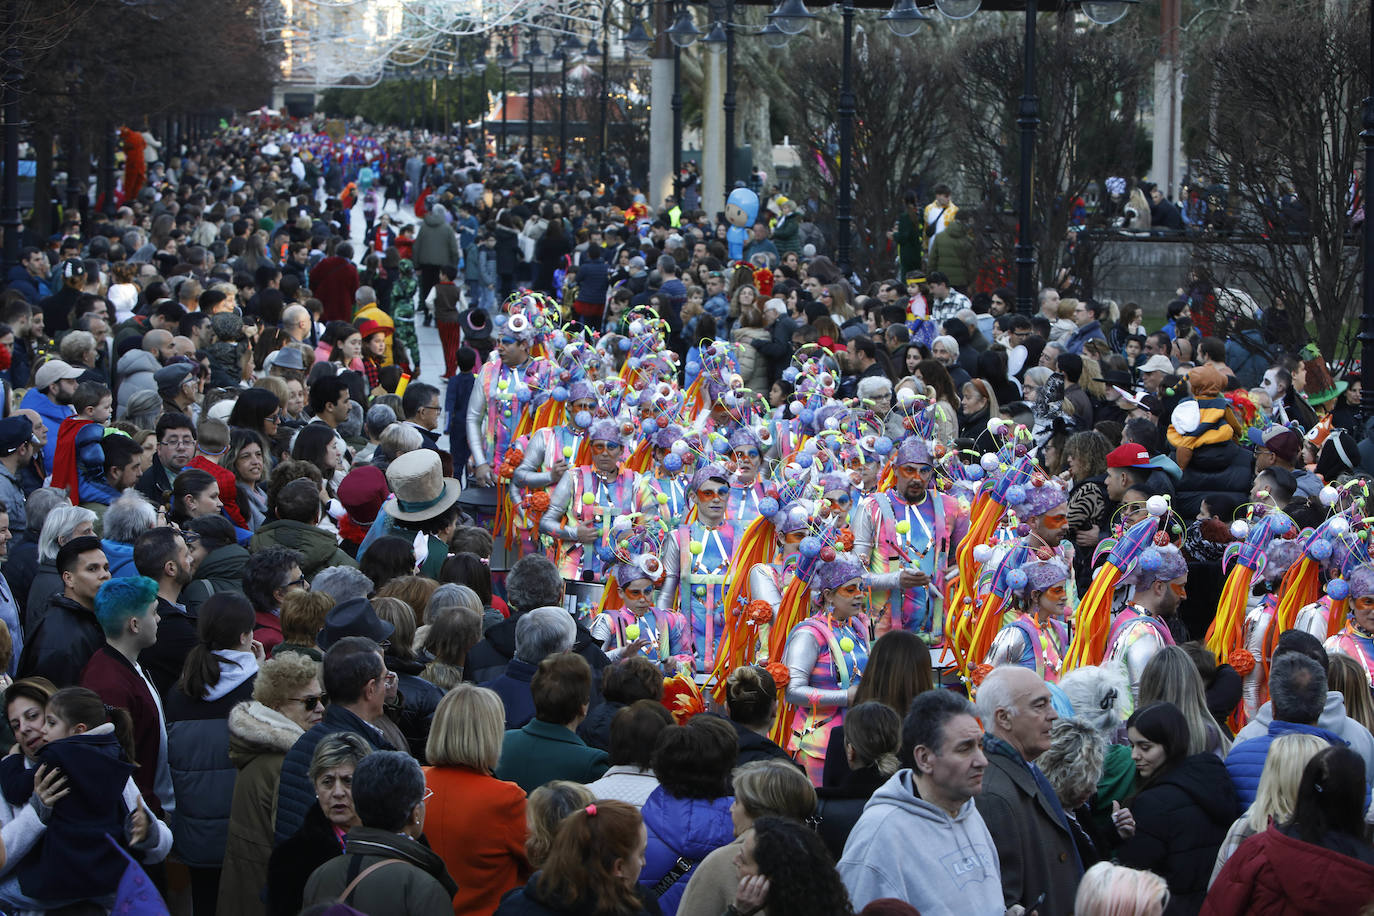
{"points": [[808, 416], [810, 546], [632, 362], [768, 506], [583, 419], [523, 395], [1016, 494], [1338, 589], [1150, 559], [649, 427], [790, 374], [805, 460], [624, 345], [882, 445], [605, 553], [672, 462], [720, 444], [1016, 579], [975, 471], [1319, 549], [560, 393], [693, 369]]}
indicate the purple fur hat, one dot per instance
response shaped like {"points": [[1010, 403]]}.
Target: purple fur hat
{"points": [[580, 391], [1157, 564], [712, 471], [665, 437], [1362, 581], [1282, 553], [604, 430], [913, 450], [795, 517], [1041, 574], [743, 437], [1042, 499], [837, 572]]}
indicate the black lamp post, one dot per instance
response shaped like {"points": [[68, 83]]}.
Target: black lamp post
{"points": [[9, 215], [682, 33], [560, 54], [603, 169], [506, 61], [533, 54]]}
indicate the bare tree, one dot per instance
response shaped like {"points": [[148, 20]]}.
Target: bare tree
{"points": [[901, 95], [1284, 138]]}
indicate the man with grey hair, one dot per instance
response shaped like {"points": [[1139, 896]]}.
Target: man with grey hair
{"points": [[533, 582], [342, 583], [1297, 689], [542, 632], [375, 422], [921, 838], [64, 523], [127, 518], [1040, 864]]}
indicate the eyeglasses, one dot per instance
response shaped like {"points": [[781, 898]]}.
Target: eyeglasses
{"points": [[508, 341], [602, 448], [311, 702], [636, 593], [745, 453], [182, 441], [841, 500], [277, 418], [850, 590], [297, 583], [915, 470], [794, 537], [429, 793], [709, 494]]}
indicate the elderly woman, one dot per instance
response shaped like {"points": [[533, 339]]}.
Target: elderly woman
{"points": [[321, 836], [287, 700], [476, 822], [396, 439], [764, 788], [79, 348], [63, 524], [1101, 697], [390, 795], [1073, 765]]}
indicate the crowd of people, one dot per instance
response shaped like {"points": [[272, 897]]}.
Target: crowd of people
{"points": [[688, 584]]}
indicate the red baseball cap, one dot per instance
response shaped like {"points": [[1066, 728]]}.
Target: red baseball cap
{"points": [[1128, 455]]}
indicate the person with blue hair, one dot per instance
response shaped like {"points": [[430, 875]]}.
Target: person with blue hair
{"points": [[127, 611]]}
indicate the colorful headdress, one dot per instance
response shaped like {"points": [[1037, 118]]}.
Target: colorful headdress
{"points": [[1042, 574], [712, 471], [604, 430], [1157, 564], [1042, 497], [527, 317], [843, 568], [913, 450], [636, 552]]}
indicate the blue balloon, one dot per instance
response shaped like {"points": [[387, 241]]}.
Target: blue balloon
{"points": [[583, 419], [649, 427], [672, 462], [805, 460], [768, 506], [1319, 549], [810, 546], [560, 393], [1016, 494], [882, 445], [1338, 589], [1016, 579], [624, 345]]}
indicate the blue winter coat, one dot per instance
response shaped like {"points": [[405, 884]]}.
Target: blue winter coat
{"points": [[513, 687], [52, 415], [1245, 763], [121, 557], [681, 828]]}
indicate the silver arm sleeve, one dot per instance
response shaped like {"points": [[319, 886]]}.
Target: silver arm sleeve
{"points": [[604, 634], [672, 573], [800, 657], [477, 411], [559, 503], [1257, 623], [1137, 655], [1312, 619], [531, 474], [1008, 647], [763, 587]]}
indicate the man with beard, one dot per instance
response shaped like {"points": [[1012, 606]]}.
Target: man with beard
{"points": [[161, 554], [54, 386], [584, 506], [908, 536], [1149, 622]]}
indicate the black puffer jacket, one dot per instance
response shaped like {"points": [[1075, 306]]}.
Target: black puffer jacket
{"points": [[202, 773], [416, 700], [1229, 469], [220, 571], [1181, 819]]}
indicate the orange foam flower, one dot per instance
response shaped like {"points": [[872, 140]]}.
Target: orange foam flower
{"points": [[779, 672], [1242, 661]]}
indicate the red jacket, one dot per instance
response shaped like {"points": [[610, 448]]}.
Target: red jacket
{"points": [[334, 281], [267, 630], [476, 823], [228, 488], [1277, 875], [113, 677]]}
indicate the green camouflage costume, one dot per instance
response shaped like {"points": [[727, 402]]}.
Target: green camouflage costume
{"points": [[403, 310]]}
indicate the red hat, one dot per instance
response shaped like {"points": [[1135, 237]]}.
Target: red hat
{"points": [[362, 493], [1128, 455], [372, 326]]}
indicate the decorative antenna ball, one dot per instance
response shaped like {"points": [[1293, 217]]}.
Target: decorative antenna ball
{"points": [[846, 644], [567, 451], [827, 554], [1338, 589], [1156, 505], [982, 553], [903, 526], [632, 631], [696, 547], [588, 498], [1328, 495]]}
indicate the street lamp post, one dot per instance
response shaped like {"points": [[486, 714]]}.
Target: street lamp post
{"points": [[530, 56], [1367, 319], [603, 170], [561, 52], [506, 61], [844, 216], [9, 216]]}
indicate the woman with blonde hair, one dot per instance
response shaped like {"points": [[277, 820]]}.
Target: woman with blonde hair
{"points": [[475, 822], [1172, 677], [1343, 673], [1115, 890], [764, 788], [1073, 766], [1277, 794], [546, 806]]}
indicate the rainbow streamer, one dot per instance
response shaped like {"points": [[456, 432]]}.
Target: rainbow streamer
{"points": [[1225, 633], [1093, 619]]}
